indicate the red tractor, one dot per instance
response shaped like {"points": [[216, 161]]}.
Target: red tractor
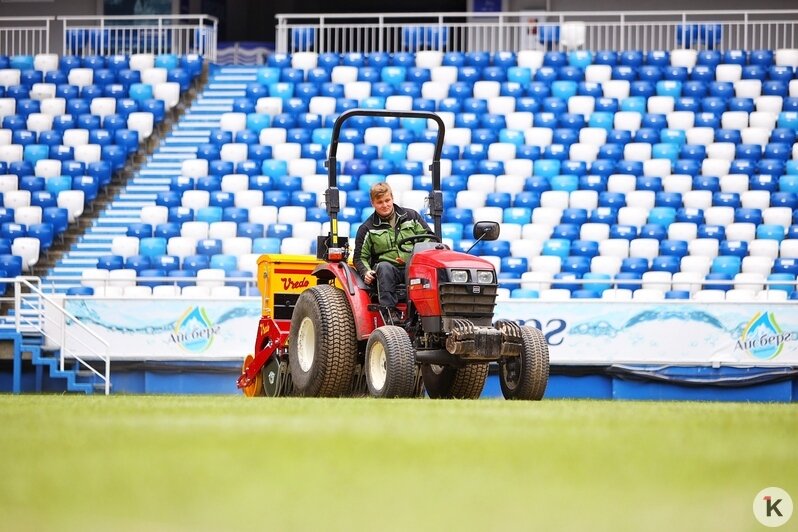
{"points": [[339, 336]]}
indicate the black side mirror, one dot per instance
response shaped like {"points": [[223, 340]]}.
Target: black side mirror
{"points": [[486, 231]]}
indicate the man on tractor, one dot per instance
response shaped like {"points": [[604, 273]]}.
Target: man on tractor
{"points": [[377, 255]]}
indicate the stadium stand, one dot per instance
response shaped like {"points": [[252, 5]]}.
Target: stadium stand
{"points": [[678, 164], [653, 162]]}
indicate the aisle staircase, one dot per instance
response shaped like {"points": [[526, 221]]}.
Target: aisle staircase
{"points": [[154, 175], [77, 363]]}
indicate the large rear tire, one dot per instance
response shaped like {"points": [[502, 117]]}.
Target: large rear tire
{"points": [[322, 346], [525, 377], [446, 382], [390, 363]]}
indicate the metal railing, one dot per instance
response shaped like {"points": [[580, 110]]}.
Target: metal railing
{"points": [[25, 35], [111, 35], [241, 53], [745, 290], [155, 34], [525, 30], [41, 314], [104, 286]]}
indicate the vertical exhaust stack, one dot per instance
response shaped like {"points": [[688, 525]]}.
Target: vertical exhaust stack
{"points": [[334, 248]]}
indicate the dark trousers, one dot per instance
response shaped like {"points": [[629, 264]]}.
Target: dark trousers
{"points": [[388, 277]]}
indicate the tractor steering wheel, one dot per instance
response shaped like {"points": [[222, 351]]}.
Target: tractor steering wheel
{"points": [[402, 244]]}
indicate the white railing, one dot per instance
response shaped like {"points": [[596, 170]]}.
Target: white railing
{"points": [[759, 288], [493, 32], [25, 35], [155, 34], [114, 288], [41, 314], [241, 53]]}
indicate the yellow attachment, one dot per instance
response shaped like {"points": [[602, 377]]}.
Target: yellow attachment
{"points": [[281, 278]]}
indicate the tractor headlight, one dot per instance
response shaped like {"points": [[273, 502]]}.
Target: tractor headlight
{"points": [[484, 276], [459, 276]]}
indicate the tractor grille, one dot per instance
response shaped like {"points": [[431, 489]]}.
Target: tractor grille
{"points": [[461, 300]]}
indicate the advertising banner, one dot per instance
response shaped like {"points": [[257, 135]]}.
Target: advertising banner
{"points": [[578, 332], [598, 332], [173, 329]]}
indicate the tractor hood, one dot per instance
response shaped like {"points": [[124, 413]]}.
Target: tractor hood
{"points": [[446, 258]]}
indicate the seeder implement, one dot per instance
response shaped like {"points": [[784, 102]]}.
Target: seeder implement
{"points": [[266, 373]]}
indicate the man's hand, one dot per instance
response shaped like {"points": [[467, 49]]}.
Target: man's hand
{"points": [[369, 277]]}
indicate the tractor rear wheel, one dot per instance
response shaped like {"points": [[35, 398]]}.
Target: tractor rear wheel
{"points": [[390, 363], [322, 345], [525, 376], [446, 382]]}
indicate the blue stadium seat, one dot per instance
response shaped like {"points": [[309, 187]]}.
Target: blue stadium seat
{"points": [[167, 230], [575, 216], [653, 230], [57, 217], [677, 294], [733, 248], [672, 200], [566, 280], [690, 215], [603, 215], [675, 248], [224, 262], [614, 200], [266, 245], [597, 282], [139, 230], [564, 231], [514, 265], [726, 199], [584, 248], [527, 199], [781, 265], [524, 293], [665, 263], [716, 281], [194, 263], [578, 265], [605, 57], [784, 199], [628, 280], [649, 183], [152, 246], [33, 183], [628, 232], [77, 290], [770, 232], [717, 232]]}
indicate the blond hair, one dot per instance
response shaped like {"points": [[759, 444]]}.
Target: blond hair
{"points": [[380, 189]]}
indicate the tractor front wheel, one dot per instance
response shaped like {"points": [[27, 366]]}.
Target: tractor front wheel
{"points": [[322, 348], [525, 376], [390, 363], [446, 382]]}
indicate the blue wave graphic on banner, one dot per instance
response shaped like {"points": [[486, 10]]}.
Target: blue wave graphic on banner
{"points": [[604, 328], [91, 314]]}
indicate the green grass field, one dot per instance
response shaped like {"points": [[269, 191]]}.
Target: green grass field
{"points": [[232, 463]]}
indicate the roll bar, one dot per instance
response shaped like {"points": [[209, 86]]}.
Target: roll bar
{"points": [[331, 195]]}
